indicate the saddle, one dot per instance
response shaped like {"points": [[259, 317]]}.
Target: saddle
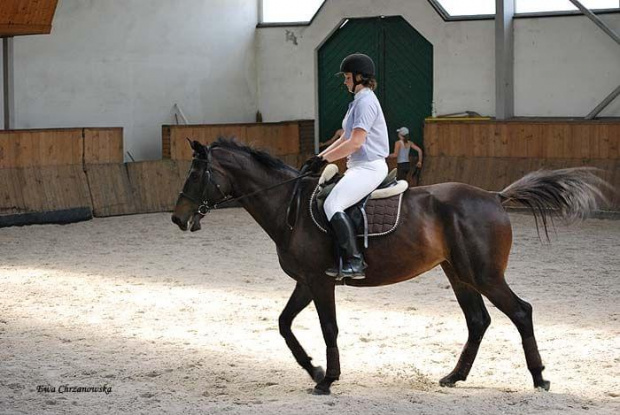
{"points": [[377, 214]]}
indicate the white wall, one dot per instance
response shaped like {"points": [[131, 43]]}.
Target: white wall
{"points": [[126, 62], [564, 66]]}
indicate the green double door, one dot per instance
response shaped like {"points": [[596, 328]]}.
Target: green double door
{"points": [[404, 66]]}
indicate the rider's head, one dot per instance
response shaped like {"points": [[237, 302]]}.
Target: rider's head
{"points": [[358, 69]]}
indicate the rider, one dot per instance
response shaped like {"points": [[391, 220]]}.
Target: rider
{"points": [[365, 143]]}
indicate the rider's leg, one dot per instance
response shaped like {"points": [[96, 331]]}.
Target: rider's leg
{"points": [[344, 231], [359, 180]]}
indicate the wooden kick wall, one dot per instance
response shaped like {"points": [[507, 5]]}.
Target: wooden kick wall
{"points": [[493, 154], [62, 175], [291, 141], [65, 175], [42, 172]]}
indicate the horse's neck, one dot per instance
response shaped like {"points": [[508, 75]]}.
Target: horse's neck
{"points": [[269, 207]]}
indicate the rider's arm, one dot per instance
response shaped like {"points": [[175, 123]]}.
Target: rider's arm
{"points": [[333, 145], [336, 136], [347, 147]]}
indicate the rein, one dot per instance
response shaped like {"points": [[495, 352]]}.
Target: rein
{"points": [[205, 206]]}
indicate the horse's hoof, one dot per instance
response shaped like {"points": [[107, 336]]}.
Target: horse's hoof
{"points": [[545, 385], [320, 391], [318, 374], [449, 381], [447, 384]]}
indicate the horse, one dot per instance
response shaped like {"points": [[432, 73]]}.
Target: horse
{"points": [[463, 229]]}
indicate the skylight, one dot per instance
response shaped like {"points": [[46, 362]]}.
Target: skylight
{"points": [[487, 7], [287, 11]]}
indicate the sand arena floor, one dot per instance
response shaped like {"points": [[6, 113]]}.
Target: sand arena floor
{"points": [[176, 322]]}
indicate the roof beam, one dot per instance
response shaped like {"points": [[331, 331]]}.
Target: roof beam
{"points": [[600, 107], [26, 17], [596, 20]]}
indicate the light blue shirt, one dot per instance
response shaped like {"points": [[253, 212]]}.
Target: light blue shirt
{"points": [[365, 112]]}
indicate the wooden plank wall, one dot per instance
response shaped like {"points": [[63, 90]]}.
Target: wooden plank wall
{"points": [[103, 145], [26, 17], [39, 148], [46, 170], [285, 140], [139, 187], [43, 189], [491, 155]]}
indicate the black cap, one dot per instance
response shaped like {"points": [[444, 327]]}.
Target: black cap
{"points": [[358, 63]]}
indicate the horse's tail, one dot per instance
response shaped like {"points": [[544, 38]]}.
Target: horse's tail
{"points": [[571, 194]]}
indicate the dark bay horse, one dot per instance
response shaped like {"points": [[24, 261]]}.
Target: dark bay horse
{"points": [[462, 228]]}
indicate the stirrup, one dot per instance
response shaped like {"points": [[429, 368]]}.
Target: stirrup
{"points": [[339, 275], [352, 277], [332, 272]]}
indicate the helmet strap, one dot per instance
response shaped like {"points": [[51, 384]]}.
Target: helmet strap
{"points": [[355, 82]]}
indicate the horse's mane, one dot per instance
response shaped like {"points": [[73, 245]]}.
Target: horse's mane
{"points": [[261, 156]]}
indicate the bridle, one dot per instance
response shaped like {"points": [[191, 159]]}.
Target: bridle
{"points": [[204, 203]]}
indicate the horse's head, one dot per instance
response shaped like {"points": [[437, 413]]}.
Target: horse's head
{"points": [[205, 187]]}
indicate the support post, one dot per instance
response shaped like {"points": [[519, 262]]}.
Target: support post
{"points": [[504, 59], [8, 83]]}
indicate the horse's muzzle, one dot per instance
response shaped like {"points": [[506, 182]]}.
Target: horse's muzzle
{"points": [[179, 222], [193, 223]]}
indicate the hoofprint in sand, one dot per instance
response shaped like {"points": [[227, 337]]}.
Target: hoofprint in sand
{"points": [[170, 322]]}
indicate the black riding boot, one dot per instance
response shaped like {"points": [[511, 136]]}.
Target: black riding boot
{"points": [[353, 261]]}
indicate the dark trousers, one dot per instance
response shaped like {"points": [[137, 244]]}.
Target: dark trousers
{"points": [[404, 171]]}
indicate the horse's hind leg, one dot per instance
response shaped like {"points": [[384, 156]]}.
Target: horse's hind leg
{"points": [[478, 320], [520, 313], [299, 300]]}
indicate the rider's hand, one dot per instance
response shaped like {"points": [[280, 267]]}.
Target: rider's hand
{"points": [[313, 165]]}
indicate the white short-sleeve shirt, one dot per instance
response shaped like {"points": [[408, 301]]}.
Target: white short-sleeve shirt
{"points": [[365, 112]]}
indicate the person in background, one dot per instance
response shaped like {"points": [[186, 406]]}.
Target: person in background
{"points": [[401, 152]]}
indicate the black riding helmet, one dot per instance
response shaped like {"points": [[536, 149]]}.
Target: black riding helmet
{"points": [[358, 63]]}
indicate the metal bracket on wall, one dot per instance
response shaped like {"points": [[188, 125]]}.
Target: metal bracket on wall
{"points": [[600, 107]]}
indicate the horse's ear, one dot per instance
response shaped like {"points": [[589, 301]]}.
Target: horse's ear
{"points": [[194, 144], [199, 148]]}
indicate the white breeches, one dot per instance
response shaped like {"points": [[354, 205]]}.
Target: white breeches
{"points": [[359, 180]]}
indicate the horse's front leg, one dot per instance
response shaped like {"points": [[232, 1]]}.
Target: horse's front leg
{"points": [[299, 300], [325, 303]]}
